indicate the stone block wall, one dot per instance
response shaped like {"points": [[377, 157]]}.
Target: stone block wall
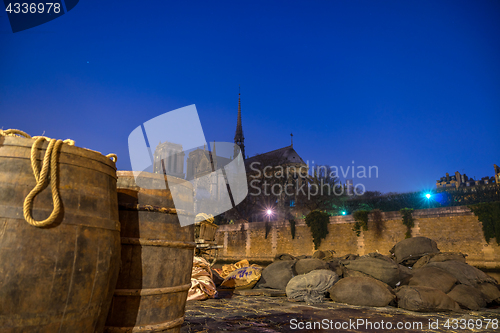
{"points": [[455, 229]]}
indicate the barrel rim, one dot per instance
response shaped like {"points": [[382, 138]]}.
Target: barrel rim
{"points": [[154, 176], [68, 149]]}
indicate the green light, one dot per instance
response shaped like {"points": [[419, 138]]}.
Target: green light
{"points": [[343, 213]]}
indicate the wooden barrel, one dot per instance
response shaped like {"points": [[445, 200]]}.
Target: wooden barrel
{"points": [[157, 257], [58, 278]]}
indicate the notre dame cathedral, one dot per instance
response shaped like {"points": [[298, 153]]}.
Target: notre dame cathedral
{"points": [[170, 159]]}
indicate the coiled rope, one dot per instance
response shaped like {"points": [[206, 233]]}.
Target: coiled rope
{"points": [[50, 161]]}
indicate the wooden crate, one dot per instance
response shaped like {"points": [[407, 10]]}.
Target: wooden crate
{"points": [[205, 231]]}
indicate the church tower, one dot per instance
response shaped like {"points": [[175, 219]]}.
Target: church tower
{"points": [[238, 137]]}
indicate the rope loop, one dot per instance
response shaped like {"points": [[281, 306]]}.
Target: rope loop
{"points": [[113, 157], [50, 162]]}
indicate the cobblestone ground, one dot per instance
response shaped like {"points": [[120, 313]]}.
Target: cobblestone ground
{"points": [[234, 313]]}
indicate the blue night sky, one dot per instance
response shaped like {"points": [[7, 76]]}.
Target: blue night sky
{"points": [[412, 87]]}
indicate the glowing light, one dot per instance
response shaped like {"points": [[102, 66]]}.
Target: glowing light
{"points": [[344, 212], [428, 196], [269, 212]]}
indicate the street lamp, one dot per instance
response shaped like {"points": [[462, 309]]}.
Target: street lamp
{"points": [[269, 213]]}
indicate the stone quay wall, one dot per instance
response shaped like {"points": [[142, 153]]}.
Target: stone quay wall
{"points": [[455, 229]]}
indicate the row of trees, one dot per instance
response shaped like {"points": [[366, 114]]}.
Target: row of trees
{"points": [[418, 200]]}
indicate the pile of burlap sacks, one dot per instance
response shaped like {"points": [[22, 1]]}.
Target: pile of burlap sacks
{"points": [[205, 280], [416, 276]]}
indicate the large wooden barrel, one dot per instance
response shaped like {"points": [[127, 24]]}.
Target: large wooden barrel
{"points": [[58, 278], [157, 257]]}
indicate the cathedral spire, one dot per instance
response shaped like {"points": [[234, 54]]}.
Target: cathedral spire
{"points": [[238, 137]]}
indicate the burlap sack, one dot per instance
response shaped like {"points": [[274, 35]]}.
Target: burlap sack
{"points": [[408, 251], [467, 297], [439, 257], [283, 256], [490, 291], [227, 269], [433, 277], [380, 268], [465, 274], [202, 286], [305, 266], [424, 299], [311, 287], [325, 255], [243, 278], [379, 256], [352, 273], [277, 275], [362, 291], [303, 257], [335, 266], [349, 256]]}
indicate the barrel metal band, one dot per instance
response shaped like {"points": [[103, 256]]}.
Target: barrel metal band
{"points": [[152, 291], [70, 218], [146, 328], [158, 242], [151, 208]]}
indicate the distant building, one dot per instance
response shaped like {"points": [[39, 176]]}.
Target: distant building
{"points": [[290, 171], [459, 181], [169, 159]]}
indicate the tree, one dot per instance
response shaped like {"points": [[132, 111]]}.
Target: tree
{"points": [[323, 192], [318, 223]]}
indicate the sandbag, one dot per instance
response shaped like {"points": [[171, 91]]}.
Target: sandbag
{"points": [[465, 274], [423, 299], [202, 286], [433, 277], [277, 275], [311, 287], [379, 256], [283, 256], [362, 291], [352, 273], [467, 297], [243, 278], [439, 257], [380, 268], [303, 257], [409, 250], [305, 266], [490, 291], [324, 255], [335, 266], [349, 256]]}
